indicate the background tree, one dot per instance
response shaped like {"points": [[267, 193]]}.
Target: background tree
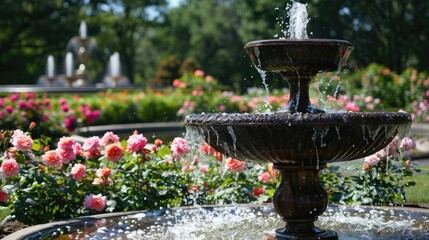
{"points": [[32, 30], [127, 21], [388, 32]]}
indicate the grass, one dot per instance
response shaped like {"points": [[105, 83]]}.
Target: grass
{"points": [[420, 192]]}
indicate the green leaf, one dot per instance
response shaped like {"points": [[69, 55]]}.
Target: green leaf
{"points": [[164, 151]]}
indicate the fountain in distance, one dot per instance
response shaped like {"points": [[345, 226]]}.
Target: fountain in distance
{"points": [[299, 139], [114, 77]]}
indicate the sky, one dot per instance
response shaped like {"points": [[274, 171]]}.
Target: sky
{"points": [[174, 3]]}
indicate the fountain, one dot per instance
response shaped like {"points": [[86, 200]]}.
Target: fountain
{"points": [[83, 47], [114, 77], [299, 139], [69, 68], [49, 77]]}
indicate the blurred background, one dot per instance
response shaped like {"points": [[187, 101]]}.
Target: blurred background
{"points": [[158, 40]]}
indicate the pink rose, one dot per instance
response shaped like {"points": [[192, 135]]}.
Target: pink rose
{"points": [[114, 152], [9, 109], [91, 144], [179, 147], [51, 158], [66, 155], [78, 171], [95, 202], [99, 181], [10, 168], [350, 106], [136, 142], [70, 123], [204, 168], [22, 104], [11, 152], [103, 172], [66, 143], [407, 143], [382, 154], [185, 168], [235, 165], [21, 141], [199, 73], [372, 160], [77, 149], [264, 177], [109, 138]]}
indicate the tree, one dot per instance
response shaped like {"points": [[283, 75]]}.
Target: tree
{"points": [[30, 32], [389, 32], [128, 21], [215, 32]]}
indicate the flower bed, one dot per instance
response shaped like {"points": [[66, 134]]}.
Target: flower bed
{"points": [[55, 116], [106, 174]]}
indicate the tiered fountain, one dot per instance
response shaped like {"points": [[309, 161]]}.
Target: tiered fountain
{"points": [[83, 47], [300, 139]]}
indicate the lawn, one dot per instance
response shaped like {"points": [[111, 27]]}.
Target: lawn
{"points": [[420, 192]]}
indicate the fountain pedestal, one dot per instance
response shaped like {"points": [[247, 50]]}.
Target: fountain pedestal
{"points": [[299, 100], [299, 200]]}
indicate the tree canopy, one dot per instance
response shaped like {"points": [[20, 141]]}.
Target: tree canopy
{"points": [[211, 33]]}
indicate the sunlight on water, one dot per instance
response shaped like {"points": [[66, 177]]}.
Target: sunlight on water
{"points": [[251, 222]]}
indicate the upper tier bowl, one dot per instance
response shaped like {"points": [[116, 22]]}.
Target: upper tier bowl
{"points": [[299, 57]]}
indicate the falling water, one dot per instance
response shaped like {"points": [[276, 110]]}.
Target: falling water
{"points": [[267, 90], [82, 30], [115, 65], [50, 66], [69, 64]]}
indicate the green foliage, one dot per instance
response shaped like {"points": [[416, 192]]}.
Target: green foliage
{"points": [[30, 32]]}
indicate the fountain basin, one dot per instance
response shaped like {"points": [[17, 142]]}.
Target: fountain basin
{"points": [[233, 222], [299, 139]]}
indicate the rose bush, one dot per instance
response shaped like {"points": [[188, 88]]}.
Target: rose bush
{"points": [[381, 180], [42, 184]]}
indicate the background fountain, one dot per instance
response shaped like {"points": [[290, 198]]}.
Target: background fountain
{"points": [[80, 50], [300, 139], [83, 47], [69, 68], [114, 77], [49, 77]]}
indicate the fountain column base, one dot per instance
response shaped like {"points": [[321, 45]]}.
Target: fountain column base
{"points": [[299, 200]]}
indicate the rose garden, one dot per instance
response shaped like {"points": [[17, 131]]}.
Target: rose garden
{"points": [[53, 168]]}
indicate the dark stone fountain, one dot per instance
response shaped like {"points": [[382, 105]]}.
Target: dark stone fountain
{"points": [[299, 139]]}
